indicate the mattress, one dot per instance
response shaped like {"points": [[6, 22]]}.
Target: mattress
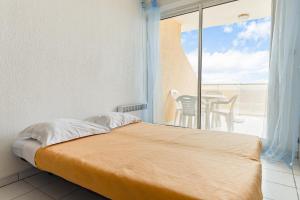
{"points": [[145, 161], [26, 149]]}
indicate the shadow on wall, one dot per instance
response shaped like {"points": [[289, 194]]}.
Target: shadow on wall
{"points": [[177, 72]]}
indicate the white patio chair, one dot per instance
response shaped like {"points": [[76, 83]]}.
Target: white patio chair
{"points": [[227, 113], [189, 110], [175, 94]]}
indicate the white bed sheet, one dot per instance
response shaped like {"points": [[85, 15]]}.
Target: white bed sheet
{"points": [[26, 149]]}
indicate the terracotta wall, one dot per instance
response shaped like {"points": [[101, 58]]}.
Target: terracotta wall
{"points": [[177, 72]]}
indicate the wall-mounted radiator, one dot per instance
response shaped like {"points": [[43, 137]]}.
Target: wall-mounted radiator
{"points": [[131, 107]]}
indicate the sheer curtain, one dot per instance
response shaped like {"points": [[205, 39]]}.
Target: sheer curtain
{"points": [[153, 113], [284, 83]]}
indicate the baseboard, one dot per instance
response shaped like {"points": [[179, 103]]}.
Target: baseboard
{"points": [[18, 176]]}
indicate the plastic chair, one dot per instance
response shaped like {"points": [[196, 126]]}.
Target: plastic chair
{"points": [[228, 114], [189, 110], [175, 94]]}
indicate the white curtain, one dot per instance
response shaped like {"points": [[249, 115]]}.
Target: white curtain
{"points": [[284, 83], [153, 113]]}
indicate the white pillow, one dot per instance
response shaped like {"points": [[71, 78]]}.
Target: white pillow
{"points": [[61, 130], [114, 119]]}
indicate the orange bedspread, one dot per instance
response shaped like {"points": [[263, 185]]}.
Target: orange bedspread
{"points": [[144, 161]]}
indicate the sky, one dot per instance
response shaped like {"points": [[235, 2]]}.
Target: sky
{"points": [[235, 53]]}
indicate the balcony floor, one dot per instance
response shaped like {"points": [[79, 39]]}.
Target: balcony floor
{"points": [[245, 124]]}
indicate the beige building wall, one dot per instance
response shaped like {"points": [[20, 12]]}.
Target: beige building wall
{"points": [[177, 72]]}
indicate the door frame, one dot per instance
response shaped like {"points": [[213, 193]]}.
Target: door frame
{"points": [[181, 8]]}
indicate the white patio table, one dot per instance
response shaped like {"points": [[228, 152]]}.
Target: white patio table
{"points": [[208, 99]]}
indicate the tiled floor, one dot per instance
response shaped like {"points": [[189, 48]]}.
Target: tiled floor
{"points": [[279, 183], [46, 187]]}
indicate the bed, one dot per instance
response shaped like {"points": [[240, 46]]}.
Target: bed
{"points": [[146, 161]]}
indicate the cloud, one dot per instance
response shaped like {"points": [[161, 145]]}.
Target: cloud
{"points": [[232, 66], [253, 31], [244, 62], [228, 29]]}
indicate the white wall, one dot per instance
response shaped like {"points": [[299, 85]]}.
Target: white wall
{"points": [[65, 58]]}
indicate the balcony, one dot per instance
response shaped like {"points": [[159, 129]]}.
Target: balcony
{"points": [[249, 110], [180, 72]]}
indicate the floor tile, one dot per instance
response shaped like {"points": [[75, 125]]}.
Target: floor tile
{"points": [[34, 195], [14, 190], [28, 173], [278, 177], [278, 192], [41, 179], [296, 168], [297, 179], [59, 189], [84, 194], [277, 166], [9, 180]]}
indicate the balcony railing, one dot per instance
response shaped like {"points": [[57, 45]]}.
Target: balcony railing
{"points": [[252, 97]]}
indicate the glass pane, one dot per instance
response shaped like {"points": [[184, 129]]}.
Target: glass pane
{"points": [[179, 61], [235, 59]]}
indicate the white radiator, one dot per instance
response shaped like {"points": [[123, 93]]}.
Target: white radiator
{"points": [[131, 107]]}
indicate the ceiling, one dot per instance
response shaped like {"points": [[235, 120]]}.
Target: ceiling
{"points": [[225, 14], [165, 2]]}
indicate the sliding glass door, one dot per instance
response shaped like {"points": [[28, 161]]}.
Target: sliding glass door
{"points": [[235, 62], [220, 81], [179, 69]]}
